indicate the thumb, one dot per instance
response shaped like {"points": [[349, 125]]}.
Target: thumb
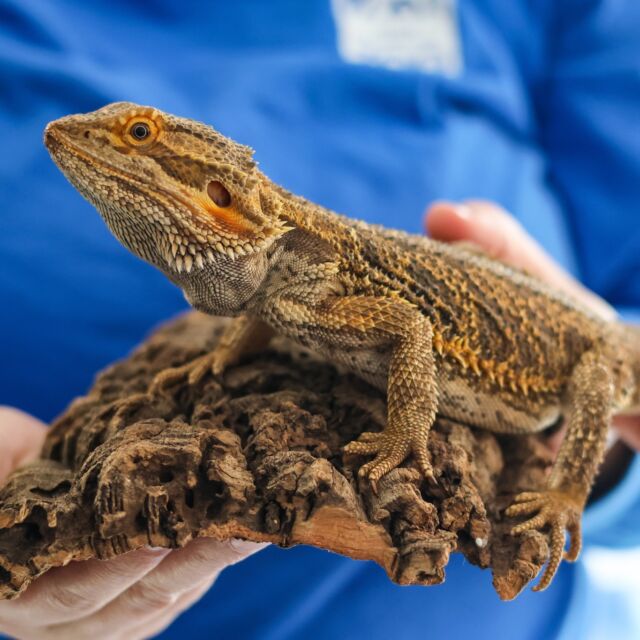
{"points": [[22, 436], [628, 428], [491, 228]]}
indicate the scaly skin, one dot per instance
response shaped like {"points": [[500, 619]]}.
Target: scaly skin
{"points": [[442, 329]]}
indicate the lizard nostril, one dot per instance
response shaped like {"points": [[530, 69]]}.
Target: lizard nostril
{"points": [[87, 134], [219, 193]]}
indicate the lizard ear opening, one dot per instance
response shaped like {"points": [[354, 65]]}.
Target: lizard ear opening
{"points": [[219, 193]]}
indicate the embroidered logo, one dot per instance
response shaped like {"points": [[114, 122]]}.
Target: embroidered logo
{"points": [[400, 34]]}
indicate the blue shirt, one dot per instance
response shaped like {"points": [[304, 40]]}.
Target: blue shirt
{"points": [[533, 105]]}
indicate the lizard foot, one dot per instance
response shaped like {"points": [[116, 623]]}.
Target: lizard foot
{"points": [[390, 450], [560, 512], [193, 372]]}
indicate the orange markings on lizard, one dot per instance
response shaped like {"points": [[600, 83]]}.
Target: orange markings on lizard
{"points": [[502, 374], [228, 219]]}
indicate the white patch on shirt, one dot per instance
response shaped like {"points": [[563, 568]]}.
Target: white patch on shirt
{"points": [[400, 34]]}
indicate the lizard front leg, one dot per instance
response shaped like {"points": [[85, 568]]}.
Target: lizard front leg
{"points": [[243, 335], [560, 506], [377, 326]]}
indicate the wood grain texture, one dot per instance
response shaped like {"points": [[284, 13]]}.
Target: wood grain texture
{"points": [[257, 454]]}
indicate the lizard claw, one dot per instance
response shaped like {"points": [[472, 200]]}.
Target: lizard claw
{"points": [[559, 512], [390, 451], [193, 371]]}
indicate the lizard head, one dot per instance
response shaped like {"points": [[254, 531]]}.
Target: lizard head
{"points": [[174, 191]]}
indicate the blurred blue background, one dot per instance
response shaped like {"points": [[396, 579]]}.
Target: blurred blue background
{"points": [[373, 108]]}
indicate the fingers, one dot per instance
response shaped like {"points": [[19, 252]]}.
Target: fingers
{"points": [[160, 623], [503, 238], [68, 593], [22, 436], [628, 428], [488, 226], [131, 596], [161, 593], [199, 560]]}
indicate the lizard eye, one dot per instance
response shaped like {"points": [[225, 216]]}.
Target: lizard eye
{"points": [[219, 193], [140, 131]]}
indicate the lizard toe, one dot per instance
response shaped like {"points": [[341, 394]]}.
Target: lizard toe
{"points": [[369, 442], [361, 448], [527, 496], [556, 511], [200, 367], [390, 451], [524, 508], [165, 379], [370, 436], [423, 459], [575, 541], [193, 372], [383, 463], [556, 546]]}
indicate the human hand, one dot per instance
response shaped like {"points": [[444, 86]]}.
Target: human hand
{"points": [[502, 237], [135, 595]]}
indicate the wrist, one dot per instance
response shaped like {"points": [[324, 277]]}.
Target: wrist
{"points": [[615, 465]]}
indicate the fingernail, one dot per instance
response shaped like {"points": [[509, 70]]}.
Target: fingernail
{"points": [[157, 550], [245, 546], [463, 211]]}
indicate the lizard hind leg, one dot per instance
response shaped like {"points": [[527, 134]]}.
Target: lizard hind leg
{"points": [[558, 508]]}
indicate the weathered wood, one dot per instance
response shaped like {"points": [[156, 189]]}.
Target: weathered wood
{"points": [[256, 454]]}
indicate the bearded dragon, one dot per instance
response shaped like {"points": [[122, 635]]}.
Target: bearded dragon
{"points": [[440, 328]]}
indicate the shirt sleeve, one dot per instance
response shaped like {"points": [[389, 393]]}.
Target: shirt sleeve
{"points": [[588, 105]]}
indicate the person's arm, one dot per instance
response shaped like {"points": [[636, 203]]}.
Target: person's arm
{"points": [[135, 595]]}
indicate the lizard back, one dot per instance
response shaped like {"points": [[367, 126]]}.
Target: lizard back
{"points": [[512, 332]]}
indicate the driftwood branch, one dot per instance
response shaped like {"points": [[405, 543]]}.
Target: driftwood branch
{"points": [[256, 454]]}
